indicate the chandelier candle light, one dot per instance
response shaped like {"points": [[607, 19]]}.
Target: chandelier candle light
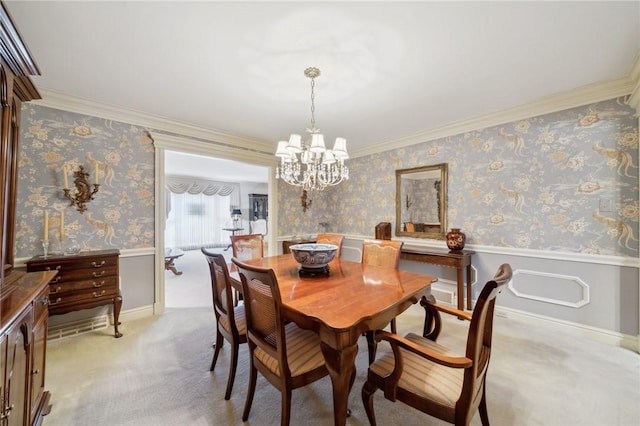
{"points": [[308, 163]]}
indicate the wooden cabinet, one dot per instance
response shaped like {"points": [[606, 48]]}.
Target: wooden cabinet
{"points": [[84, 281], [23, 297], [39, 350], [23, 336], [258, 206]]}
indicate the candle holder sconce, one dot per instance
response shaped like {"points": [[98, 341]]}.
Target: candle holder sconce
{"points": [[83, 192]]}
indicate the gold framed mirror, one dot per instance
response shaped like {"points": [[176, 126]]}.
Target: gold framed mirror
{"points": [[421, 201]]}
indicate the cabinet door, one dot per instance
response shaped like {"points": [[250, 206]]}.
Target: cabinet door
{"points": [[15, 408], [38, 359], [3, 381]]}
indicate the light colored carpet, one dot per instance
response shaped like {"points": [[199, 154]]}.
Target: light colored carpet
{"points": [[158, 374]]}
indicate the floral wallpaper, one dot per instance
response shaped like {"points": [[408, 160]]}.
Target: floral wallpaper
{"points": [[565, 181], [122, 213]]}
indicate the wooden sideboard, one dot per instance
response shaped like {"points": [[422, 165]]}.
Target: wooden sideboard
{"points": [[85, 280], [460, 260], [23, 345]]}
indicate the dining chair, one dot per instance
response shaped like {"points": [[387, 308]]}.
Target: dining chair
{"points": [[286, 355], [432, 378], [384, 253], [247, 247], [230, 318], [381, 253], [334, 239], [258, 226]]}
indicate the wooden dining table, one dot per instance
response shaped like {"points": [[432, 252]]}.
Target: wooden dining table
{"points": [[352, 299]]}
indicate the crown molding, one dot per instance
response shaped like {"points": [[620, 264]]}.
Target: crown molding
{"points": [[59, 100], [230, 152], [584, 95], [634, 75]]}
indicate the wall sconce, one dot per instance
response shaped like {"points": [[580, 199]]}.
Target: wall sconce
{"points": [[303, 201], [236, 214], [83, 192]]}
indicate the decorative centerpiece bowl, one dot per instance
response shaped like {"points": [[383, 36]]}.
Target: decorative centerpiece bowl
{"points": [[313, 258]]}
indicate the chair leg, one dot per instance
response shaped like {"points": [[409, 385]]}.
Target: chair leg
{"points": [[233, 365], [484, 416], [367, 400], [393, 326], [253, 376], [286, 407], [372, 345], [218, 346], [432, 319]]}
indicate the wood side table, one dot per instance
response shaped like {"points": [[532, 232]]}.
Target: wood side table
{"points": [[460, 260], [233, 232]]}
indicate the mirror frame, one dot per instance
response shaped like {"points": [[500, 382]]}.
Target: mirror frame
{"points": [[439, 235]]}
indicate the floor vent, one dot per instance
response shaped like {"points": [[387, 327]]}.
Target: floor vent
{"points": [[444, 296], [78, 327]]}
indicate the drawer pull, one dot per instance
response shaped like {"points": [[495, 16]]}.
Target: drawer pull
{"points": [[44, 300], [58, 300], [48, 268], [56, 280], [95, 265], [102, 293], [96, 285], [98, 275], [57, 290]]}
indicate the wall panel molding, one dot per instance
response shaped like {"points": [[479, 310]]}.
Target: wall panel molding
{"points": [[570, 280]]}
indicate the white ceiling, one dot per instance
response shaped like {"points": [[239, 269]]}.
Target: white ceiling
{"points": [[389, 70]]}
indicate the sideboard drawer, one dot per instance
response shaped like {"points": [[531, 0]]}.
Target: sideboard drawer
{"points": [[84, 281]]}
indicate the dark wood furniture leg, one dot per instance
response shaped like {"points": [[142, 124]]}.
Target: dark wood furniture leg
{"points": [[117, 305], [460, 276], [469, 297], [342, 368], [170, 266]]}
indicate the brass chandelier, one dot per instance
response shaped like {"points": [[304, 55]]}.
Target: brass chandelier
{"points": [[309, 164]]}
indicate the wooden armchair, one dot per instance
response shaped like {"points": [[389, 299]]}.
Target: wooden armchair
{"points": [[432, 378], [286, 355], [334, 239], [230, 319], [384, 253]]}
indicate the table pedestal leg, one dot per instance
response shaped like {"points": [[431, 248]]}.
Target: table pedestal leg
{"points": [[342, 367]]}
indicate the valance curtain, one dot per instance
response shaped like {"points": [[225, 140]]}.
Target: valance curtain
{"points": [[180, 185], [197, 210]]}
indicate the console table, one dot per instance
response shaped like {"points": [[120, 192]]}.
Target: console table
{"points": [[460, 260]]}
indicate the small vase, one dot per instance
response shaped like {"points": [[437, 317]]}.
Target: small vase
{"points": [[456, 239]]}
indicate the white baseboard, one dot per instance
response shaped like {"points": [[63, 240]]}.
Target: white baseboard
{"points": [[598, 334], [134, 314]]}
